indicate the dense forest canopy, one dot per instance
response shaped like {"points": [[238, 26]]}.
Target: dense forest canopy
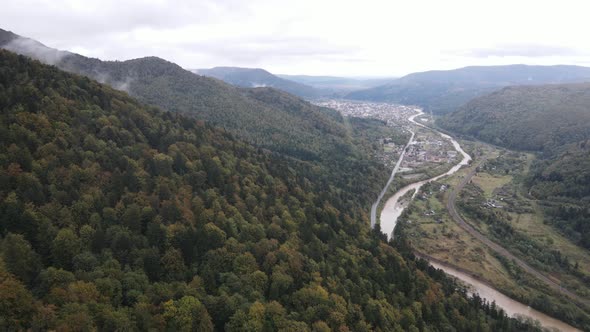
{"points": [[562, 183], [526, 117], [115, 215]]}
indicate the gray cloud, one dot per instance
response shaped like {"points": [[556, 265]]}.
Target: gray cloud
{"points": [[307, 36], [88, 19], [109, 30], [264, 47]]}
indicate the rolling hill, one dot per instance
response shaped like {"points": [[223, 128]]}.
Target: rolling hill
{"points": [[303, 130], [256, 77], [526, 117], [444, 91]]}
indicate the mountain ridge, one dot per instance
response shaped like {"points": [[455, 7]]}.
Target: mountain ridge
{"points": [[160, 82], [526, 117], [443, 91]]}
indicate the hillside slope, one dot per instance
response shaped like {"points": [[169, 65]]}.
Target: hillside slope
{"points": [[119, 216], [165, 84], [562, 183], [526, 117], [256, 77], [444, 91]]}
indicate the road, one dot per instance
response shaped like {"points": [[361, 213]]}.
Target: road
{"points": [[496, 247], [395, 169]]}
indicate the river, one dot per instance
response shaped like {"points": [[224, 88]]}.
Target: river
{"points": [[511, 307], [393, 209]]}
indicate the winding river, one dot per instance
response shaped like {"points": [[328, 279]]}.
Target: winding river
{"points": [[393, 209]]}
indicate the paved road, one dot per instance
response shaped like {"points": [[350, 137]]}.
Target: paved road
{"points": [[496, 247]]}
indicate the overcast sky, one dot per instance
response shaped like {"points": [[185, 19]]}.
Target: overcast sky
{"points": [[316, 37]]}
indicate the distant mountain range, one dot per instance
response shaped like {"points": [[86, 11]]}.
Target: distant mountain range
{"points": [[443, 91], [338, 84], [304, 86], [267, 118], [256, 77]]}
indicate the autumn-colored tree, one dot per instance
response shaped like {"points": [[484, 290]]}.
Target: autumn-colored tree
{"points": [[187, 314], [17, 305]]}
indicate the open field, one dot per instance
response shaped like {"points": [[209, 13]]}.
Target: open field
{"points": [[488, 182], [438, 236]]}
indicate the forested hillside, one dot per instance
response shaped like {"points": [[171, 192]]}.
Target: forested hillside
{"points": [[165, 84], [554, 120], [444, 91], [119, 216], [526, 117], [562, 182]]}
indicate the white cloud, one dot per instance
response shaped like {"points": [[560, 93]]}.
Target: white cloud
{"points": [[369, 37]]}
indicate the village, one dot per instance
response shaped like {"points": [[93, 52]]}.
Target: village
{"points": [[394, 115], [427, 150]]}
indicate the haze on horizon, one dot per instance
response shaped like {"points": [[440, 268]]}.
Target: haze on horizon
{"points": [[341, 38]]}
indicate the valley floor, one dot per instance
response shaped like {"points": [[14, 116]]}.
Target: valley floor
{"points": [[493, 205]]}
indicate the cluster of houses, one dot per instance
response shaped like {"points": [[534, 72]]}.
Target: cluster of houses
{"points": [[420, 152]]}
